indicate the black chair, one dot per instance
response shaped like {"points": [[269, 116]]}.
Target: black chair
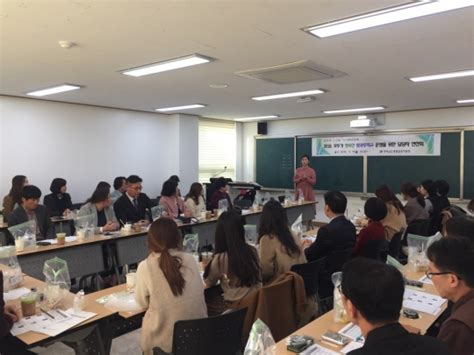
{"points": [[310, 273], [376, 249], [394, 245], [215, 335]]}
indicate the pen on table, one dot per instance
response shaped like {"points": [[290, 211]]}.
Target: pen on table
{"points": [[61, 313], [49, 315]]}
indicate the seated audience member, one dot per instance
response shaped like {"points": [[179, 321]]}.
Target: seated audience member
{"points": [[451, 268], [9, 314], [234, 263], [103, 184], [376, 211], [395, 221], [120, 186], [442, 201], [133, 206], [460, 226], [176, 179], [220, 194], [99, 205], [372, 294], [338, 234], [30, 209], [168, 285], [194, 200], [278, 249], [427, 189], [170, 201], [58, 201], [13, 199], [415, 206]]}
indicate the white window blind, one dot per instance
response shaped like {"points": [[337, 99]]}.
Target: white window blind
{"points": [[217, 149]]}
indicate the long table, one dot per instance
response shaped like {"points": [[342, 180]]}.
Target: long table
{"points": [[326, 322], [126, 247]]}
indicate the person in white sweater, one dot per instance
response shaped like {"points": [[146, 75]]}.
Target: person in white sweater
{"points": [[194, 200], [168, 285]]}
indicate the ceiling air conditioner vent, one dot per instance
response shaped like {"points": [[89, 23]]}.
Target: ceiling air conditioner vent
{"points": [[290, 73]]}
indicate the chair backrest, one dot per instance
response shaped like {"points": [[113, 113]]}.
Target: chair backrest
{"points": [[214, 335], [395, 244], [310, 273], [336, 260], [376, 249]]}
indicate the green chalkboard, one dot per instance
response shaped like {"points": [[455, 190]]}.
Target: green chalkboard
{"points": [[275, 162], [334, 173], [394, 171], [469, 164]]}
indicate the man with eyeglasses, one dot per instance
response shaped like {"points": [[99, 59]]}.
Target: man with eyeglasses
{"points": [[372, 293], [133, 206], [451, 269]]}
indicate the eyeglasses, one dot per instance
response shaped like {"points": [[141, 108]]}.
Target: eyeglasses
{"points": [[430, 274]]}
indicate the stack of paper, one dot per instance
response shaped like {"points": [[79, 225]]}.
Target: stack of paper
{"points": [[52, 323], [317, 349], [422, 301]]}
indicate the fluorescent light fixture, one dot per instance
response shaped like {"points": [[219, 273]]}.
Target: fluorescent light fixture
{"points": [[403, 12], [171, 64], [244, 119], [178, 108], [349, 110], [53, 90], [289, 94], [363, 123], [456, 74], [465, 101], [361, 117]]}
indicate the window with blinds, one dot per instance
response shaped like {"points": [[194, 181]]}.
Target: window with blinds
{"points": [[217, 149]]}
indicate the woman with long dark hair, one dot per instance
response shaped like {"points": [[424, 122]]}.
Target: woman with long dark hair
{"points": [[168, 285], [395, 221], [58, 201], [99, 206], [278, 249], [194, 200], [171, 201], [13, 199], [234, 263], [415, 207]]}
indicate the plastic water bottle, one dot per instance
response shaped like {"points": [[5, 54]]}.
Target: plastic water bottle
{"points": [[79, 301]]}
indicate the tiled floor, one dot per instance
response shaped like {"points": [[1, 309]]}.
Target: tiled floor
{"points": [[126, 344]]}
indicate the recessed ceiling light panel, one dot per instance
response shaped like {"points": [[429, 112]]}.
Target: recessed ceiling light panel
{"points": [[465, 101], [167, 65], [349, 110], [256, 118], [289, 94], [53, 90], [456, 74], [179, 108]]}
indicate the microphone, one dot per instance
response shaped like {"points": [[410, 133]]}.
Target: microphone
{"points": [[219, 172]]}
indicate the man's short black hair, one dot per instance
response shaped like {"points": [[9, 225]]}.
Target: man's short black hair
{"points": [[305, 156], [134, 179], [455, 255], [336, 201], [442, 187], [461, 226], [429, 186], [118, 181], [375, 209], [374, 288], [30, 192], [169, 188], [220, 183]]}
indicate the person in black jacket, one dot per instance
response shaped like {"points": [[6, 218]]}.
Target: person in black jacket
{"points": [[9, 345], [372, 294], [30, 209], [442, 190], [58, 201], [133, 206], [339, 234]]}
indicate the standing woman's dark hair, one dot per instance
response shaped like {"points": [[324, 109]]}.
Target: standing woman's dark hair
{"points": [[18, 182], [230, 239], [195, 191], [56, 185], [384, 193], [274, 221], [169, 188], [408, 189], [164, 235]]}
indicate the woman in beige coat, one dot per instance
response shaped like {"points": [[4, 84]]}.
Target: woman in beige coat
{"points": [[278, 249], [395, 220], [168, 285]]}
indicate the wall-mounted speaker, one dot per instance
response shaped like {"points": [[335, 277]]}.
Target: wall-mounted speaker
{"points": [[262, 127]]}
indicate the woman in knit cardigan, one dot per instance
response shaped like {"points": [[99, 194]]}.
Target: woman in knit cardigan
{"points": [[168, 285]]}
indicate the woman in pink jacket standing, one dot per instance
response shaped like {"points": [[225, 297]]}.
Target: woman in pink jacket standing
{"points": [[305, 179]]}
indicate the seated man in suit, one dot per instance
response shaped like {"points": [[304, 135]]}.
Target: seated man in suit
{"points": [[339, 234], [133, 206], [372, 294], [30, 209]]}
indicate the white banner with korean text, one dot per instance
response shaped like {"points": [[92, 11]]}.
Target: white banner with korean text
{"points": [[385, 145]]}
